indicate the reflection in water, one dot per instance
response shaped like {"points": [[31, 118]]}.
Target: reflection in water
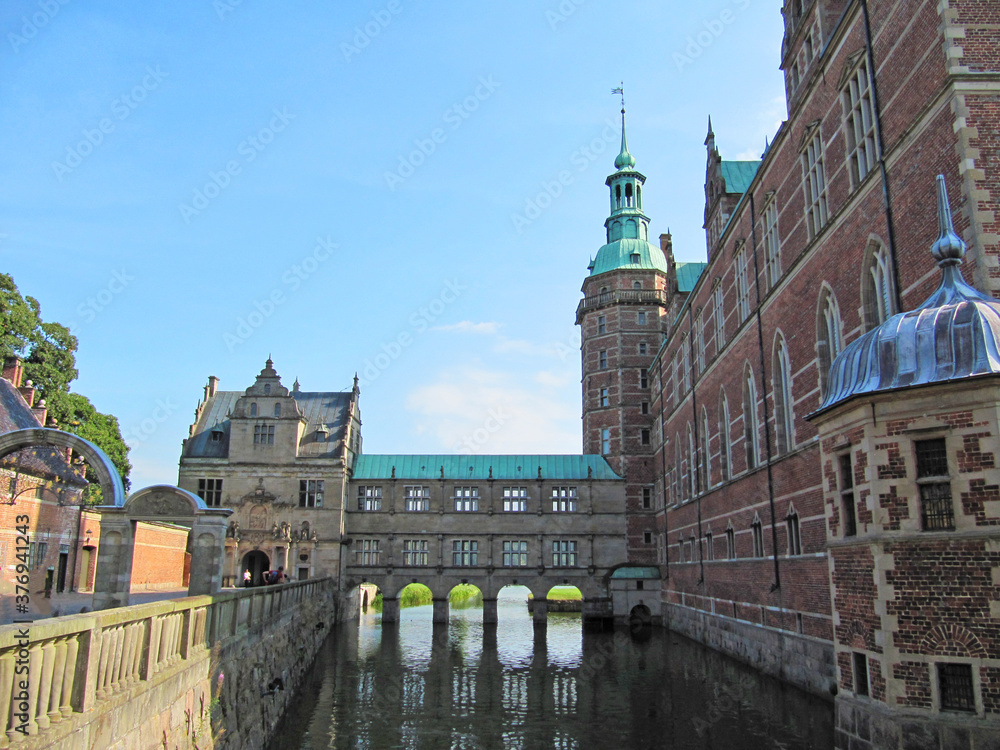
{"points": [[466, 685]]}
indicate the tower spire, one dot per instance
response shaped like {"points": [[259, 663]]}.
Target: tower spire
{"points": [[624, 160]]}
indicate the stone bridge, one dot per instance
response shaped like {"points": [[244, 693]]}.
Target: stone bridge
{"points": [[203, 671]]}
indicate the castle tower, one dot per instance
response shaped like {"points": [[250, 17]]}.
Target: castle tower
{"points": [[622, 320]]}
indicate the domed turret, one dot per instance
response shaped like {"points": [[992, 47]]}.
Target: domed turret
{"points": [[955, 334]]}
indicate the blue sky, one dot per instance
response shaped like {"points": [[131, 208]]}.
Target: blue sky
{"points": [[365, 186]]}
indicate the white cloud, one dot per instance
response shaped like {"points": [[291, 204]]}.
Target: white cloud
{"points": [[467, 326], [475, 410]]}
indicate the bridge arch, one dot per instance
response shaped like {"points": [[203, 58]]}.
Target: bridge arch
{"points": [[47, 437]]}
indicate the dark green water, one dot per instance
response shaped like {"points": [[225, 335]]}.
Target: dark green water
{"points": [[466, 686]]}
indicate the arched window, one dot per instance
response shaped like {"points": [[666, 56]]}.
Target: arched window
{"points": [[706, 456], [637, 285], [724, 443], [757, 530], [784, 423], [253, 409], [828, 341], [267, 389], [277, 409], [628, 194], [751, 429], [618, 196], [877, 295], [638, 196], [794, 535]]}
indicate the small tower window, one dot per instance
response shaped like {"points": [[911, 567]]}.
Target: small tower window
{"points": [[277, 410], [628, 194], [216, 435], [618, 196], [634, 258], [253, 409], [638, 196]]}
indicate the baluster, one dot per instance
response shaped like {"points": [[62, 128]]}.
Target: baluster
{"points": [[34, 673], [136, 653], [178, 636], [104, 646], [128, 650], [58, 668], [7, 678], [163, 651], [116, 659], [45, 688], [153, 650], [69, 675]]}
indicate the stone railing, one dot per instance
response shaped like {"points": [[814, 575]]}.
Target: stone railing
{"points": [[58, 675], [622, 297]]}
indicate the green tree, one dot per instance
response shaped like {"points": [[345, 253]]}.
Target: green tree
{"points": [[49, 354]]}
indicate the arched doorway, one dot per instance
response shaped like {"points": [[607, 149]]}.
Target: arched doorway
{"points": [[257, 563], [640, 616]]}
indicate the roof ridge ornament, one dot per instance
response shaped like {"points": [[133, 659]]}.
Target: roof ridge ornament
{"points": [[624, 159], [949, 249]]}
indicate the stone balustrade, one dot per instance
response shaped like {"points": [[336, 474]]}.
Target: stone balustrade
{"points": [[61, 675]]}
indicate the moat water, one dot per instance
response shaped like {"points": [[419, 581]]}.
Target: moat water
{"points": [[466, 686]]}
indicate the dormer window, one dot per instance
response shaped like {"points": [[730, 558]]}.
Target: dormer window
{"points": [[634, 258], [253, 409], [277, 410], [267, 389], [321, 434], [216, 435]]}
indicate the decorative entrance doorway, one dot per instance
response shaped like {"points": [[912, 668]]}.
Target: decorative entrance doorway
{"points": [[257, 563]]}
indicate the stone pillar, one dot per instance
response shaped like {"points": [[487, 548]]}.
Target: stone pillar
{"points": [[390, 610], [113, 577], [490, 611], [440, 610], [540, 612], [208, 551]]}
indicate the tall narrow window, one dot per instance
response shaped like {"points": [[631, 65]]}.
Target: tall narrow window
{"points": [[860, 674], [742, 284], [602, 325], [730, 542], [647, 498], [859, 125], [828, 341], [784, 423], [724, 444], [814, 186], [846, 471], [640, 318], [937, 511], [277, 409], [699, 342], [772, 244], [709, 546], [604, 396], [605, 441], [794, 537], [253, 409], [720, 318], [751, 430], [706, 456], [602, 360], [692, 475], [643, 379], [757, 531], [686, 348], [877, 298]]}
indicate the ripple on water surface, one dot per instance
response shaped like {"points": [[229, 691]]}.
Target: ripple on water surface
{"points": [[466, 685]]}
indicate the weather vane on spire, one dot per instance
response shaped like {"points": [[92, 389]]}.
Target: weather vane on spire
{"points": [[620, 90]]}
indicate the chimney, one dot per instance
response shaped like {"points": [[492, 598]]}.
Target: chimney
{"points": [[27, 392], [213, 386], [13, 371]]}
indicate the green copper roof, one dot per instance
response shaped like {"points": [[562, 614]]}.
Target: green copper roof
{"points": [[688, 275], [507, 468], [618, 254], [636, 572], [738, 175]]}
